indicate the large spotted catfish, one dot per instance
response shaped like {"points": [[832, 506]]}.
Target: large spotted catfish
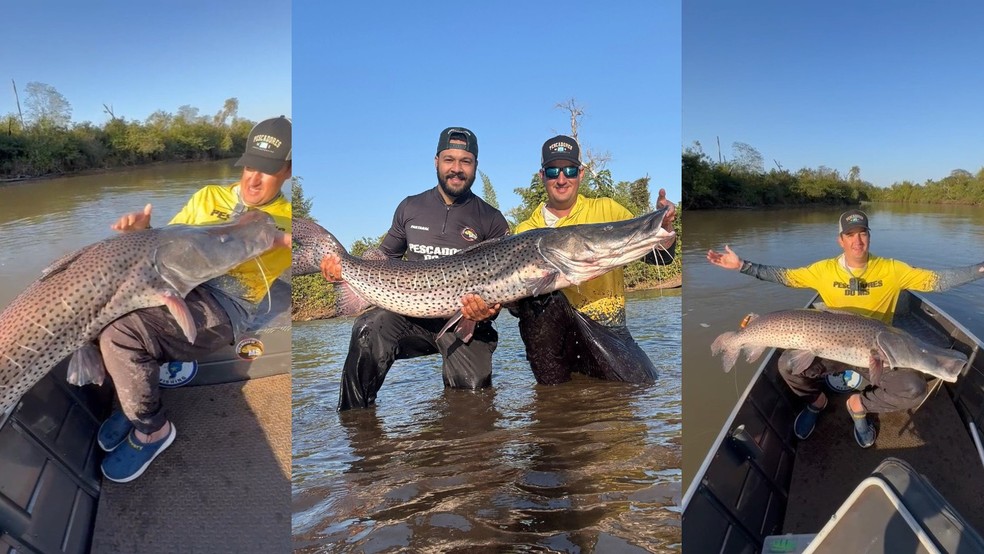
{"points": [[499, 270], [835, 335], [81, 293]]}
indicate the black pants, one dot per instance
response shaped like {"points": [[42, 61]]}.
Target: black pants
{"points": [[897, 390], [134, 346], [380, 337], [560, 340]]}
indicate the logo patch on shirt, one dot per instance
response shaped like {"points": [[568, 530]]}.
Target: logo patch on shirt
{"points": [[469, 234]]}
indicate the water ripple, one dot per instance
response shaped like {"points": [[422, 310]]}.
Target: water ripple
{"points": [[566, 468]]}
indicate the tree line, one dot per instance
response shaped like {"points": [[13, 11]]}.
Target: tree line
{"points": [[42, 139], [743, 182]]}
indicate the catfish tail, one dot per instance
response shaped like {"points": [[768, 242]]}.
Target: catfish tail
{"points": [[311, 242], [723, 344]]}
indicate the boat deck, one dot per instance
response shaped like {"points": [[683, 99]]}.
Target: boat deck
{"points": [[933, 439], [223, 486]]}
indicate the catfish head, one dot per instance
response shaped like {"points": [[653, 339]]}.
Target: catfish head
{"points": [[188, 255], [900, 350], [583, 252]]}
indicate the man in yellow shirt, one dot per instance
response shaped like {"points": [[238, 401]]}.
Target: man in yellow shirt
{"points": [[859, 282], [134, 346], [582, 328]]}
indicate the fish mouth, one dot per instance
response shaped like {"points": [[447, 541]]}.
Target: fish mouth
{"points": [[198, 253], [582, 252]]}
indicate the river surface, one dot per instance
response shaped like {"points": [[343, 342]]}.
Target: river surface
{"points": [[586, 466], [716, 300], [43, 220]]}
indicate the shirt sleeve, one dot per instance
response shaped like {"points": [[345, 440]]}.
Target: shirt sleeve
{"points": [[499, 226], [925, 280], [187, 215], [802, 277]]}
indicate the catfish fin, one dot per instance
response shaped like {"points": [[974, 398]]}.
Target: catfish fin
{"points": [[454, 319], [86, 366], [464, 330], [821, 307], [753, 353], [350, 301], [62, 263], [176, 305], [875, 367], [544, 284], [795, 361]]}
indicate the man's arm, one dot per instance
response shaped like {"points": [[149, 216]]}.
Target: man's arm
{"points": [[938, 280], [664, 257], [730, 260]]}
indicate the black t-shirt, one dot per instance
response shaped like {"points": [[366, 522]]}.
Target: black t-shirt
{"points": [[424, 227]]}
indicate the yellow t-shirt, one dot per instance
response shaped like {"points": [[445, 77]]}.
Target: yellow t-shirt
{"points": [[215, 204], [876, 293], [602, 298]]}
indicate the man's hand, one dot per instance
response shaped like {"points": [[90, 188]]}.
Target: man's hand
{"points": [[331, 268], [135, 221], [473, 307], [727, 260], [282, 239], [670, 216]]}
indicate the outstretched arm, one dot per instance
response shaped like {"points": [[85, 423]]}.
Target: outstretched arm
{"points": [[946, 279], [730, 260]]}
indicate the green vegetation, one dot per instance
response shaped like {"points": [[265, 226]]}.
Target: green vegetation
{"points": [[960, 187], [311, 297], [43, 140], [743, 182]]}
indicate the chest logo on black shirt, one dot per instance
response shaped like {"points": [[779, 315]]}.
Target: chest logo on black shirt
{"points": [[469, 234]]}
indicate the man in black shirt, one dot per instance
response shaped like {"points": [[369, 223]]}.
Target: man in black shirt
{"points": [[437, 222]]}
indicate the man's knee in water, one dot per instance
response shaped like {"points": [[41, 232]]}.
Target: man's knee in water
{"points": [[366, 326]]}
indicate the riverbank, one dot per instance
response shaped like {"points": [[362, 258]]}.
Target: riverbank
{"points": [[7, 181]]}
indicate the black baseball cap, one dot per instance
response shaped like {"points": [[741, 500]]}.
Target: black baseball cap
{"points": [[853, 219], [459, 133], [268, 145], [560, 147]]}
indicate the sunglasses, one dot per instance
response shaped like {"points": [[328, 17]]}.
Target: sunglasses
{"points": [[570, 171]]}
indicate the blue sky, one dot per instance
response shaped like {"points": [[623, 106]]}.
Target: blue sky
{"points": [[374, 85], [892, 87], [143, 57]]}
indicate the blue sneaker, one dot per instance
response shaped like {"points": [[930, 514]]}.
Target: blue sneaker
{"points": [[113, 431], [806, 422], [129, 461], [864, 431]]}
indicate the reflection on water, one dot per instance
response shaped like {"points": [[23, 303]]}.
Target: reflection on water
{"points": [[43, 220], [584, 466], [716, 300]]}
